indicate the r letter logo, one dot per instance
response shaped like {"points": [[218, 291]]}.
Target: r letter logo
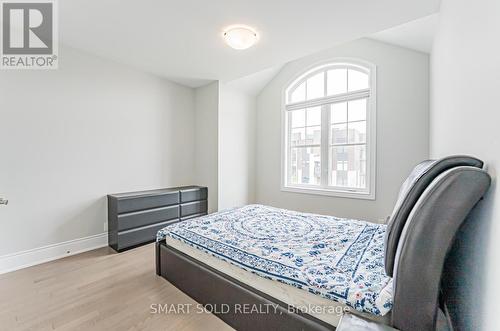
{"points": [[29, 35]]}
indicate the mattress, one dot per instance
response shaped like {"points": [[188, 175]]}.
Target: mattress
{"points": [[331, 260], [296, 299]]}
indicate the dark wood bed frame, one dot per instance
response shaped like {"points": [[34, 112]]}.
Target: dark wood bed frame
{"points": [[420, 258]]}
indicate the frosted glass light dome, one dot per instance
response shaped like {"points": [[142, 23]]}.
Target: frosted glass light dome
{"points": [[240, 36]]}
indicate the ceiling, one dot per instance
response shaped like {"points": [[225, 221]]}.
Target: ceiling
{"points": [[254, 83], [417, 34], [181, 40]]}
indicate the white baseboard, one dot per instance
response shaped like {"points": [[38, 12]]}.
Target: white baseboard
{"points": [[52, 252]]}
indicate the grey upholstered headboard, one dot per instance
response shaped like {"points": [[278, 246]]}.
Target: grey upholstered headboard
{"points": [[411, 190], [425, 240]]}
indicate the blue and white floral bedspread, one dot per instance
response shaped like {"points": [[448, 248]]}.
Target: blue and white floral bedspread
{"points": [[338, 259]]}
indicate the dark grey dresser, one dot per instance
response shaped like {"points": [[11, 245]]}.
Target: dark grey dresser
{"points": [[135, 217]]}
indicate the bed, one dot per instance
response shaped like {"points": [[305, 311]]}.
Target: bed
{"points": [[312, 268], [324, 257]]}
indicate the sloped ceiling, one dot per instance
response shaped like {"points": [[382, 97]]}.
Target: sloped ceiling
{"points": [[417, 35], [254, 83], [181, 40]]}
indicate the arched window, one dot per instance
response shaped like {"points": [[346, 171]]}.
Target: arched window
{"points": [[329, 131]]}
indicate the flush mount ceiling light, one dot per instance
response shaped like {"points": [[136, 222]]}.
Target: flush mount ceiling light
{"points": [[240, 36]]}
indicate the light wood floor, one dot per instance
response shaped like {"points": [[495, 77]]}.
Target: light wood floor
{"points": [[97, 290]]}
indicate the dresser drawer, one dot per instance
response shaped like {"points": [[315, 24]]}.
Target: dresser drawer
{"points": [[191, 208], [141, 235], [193, 194], [146, 217], [125, 205]]}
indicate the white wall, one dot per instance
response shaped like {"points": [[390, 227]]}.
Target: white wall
{"points": [[207, 140], [465, 118], [71, 136], [237, 111], [402, 129]]}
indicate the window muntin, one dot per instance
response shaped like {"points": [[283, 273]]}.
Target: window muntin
{"points": [[305, 146], [327, 136]]}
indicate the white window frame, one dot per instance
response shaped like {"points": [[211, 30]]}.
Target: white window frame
{"points": [[371, 118]]}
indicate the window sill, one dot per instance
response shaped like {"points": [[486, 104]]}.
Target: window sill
{"points": [[331, 193]]}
